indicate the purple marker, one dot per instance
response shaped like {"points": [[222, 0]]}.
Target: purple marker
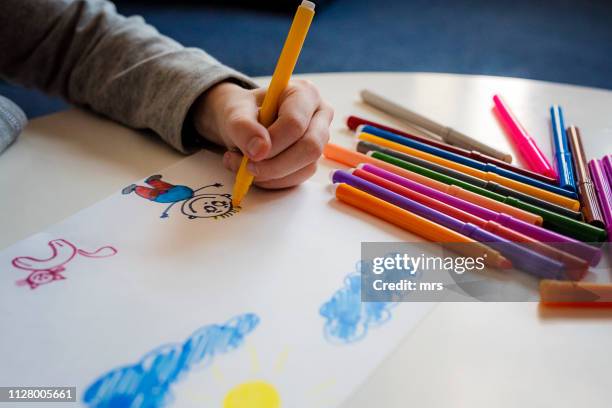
{"points": [[521, 257], [604, 193], [575, 247], [606, 163]]}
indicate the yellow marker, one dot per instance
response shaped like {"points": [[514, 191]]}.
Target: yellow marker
{"points": [[280, 79]]}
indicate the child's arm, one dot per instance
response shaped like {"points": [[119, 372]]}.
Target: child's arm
{"points": [[124, 69], [121, 67]]}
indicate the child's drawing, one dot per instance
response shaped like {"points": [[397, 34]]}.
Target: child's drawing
{"points": [[207, 204], [347, 318], [47, 270], [146, 384]]}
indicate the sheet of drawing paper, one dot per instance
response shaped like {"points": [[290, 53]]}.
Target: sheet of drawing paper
{"points": [[164, 295]]}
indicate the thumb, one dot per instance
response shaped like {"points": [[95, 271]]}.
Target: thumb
{"points": [[244, 131]]}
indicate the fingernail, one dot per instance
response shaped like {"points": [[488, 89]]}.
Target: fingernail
{"points": [[252, 169], [226, 157], [255, 146]]}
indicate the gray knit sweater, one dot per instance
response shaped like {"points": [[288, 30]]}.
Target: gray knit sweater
{"points": [[117, 66]]}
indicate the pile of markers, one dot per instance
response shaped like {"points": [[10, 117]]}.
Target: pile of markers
{"points": [[447, 187]]}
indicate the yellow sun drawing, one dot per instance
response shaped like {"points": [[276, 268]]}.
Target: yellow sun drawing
{"points": [[254, 394], [254, 385]]}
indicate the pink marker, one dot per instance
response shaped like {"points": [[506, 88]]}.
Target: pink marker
{"points": [[525, 143]]}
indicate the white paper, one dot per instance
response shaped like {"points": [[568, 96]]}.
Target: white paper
{"points": [[108, 316]]}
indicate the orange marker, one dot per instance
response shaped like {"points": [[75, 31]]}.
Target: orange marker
{"points": [[352, 159], [504, 181], [418, 225], [572, 294]]}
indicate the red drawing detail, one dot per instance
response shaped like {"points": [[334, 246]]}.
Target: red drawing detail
{"points": [[50, 269]]}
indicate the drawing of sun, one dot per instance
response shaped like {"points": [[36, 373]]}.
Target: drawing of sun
{"points": [[256, 385], [254, 394], [245, 380]]}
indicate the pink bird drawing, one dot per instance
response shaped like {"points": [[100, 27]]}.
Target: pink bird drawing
{"points": [[47, 270]]}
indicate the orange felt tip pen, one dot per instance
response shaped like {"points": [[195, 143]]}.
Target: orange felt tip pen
{"points": [[280, 79], [575, 294]]}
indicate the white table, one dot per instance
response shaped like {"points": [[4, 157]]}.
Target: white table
{"points": [[470, 354]]}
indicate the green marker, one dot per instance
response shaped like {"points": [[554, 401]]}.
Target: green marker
{"points": [[553, 221]]}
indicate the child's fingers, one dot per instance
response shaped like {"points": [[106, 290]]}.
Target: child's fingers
{"points": [[245, 131], [303, 152], [260, 94], [297, 105], [231, 161], [291, 180]]}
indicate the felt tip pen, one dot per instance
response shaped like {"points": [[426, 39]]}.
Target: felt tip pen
{"points": [[448, 134], [280, 79], [606, 163], [563, 157], [366, 147], [564, 225], [352, 159], [466, 161], [584, 184], [604, 193], [449, 195], [354, 123], [575, 294], [516, 185], [501, 212], [526, 145], [521, 257], [575, 268], [418, 225]]}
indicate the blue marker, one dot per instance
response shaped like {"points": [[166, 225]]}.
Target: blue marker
{"points": [[563, 157], [466, 161]]}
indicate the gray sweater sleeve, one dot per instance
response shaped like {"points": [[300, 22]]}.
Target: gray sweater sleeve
{"points": [[121, 67]]}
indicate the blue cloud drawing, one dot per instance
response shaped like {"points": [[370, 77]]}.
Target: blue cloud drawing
{"points": [[146, 384], [347, 318]]}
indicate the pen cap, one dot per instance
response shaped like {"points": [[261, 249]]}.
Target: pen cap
{"points": [[580, 163], [558, 127], [562, 154], [606, 162], [604, 192]]}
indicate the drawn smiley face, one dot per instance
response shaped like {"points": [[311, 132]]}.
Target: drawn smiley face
{"points": [[208, 206]]}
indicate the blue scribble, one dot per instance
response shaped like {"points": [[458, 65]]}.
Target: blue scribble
{"points": [[347, 317], [146, 384]]}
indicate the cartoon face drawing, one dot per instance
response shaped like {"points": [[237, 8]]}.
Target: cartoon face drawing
{"points": [[208, 206], [203, 205], [40, 278]]}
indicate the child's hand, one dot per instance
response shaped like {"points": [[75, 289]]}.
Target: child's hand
{"points": [[283, 155]]}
